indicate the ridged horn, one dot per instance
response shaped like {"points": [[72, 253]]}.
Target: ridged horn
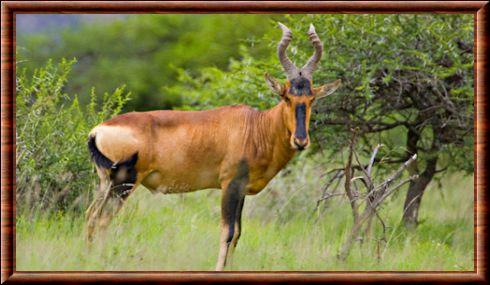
{"points": [[288, 66], [311, 65]]}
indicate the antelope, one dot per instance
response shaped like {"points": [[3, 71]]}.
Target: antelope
{"points": [[237, 149]]}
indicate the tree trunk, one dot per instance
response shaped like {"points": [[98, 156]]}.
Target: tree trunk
{"points": [[415, 193], [417, 187]]}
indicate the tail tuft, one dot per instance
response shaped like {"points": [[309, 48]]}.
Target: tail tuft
{"points": [[102, 161], [97, 157]]}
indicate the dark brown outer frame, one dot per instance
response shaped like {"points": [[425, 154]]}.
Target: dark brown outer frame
{"points": [[10, 8]]}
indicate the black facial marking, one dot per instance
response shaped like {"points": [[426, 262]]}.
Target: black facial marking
{"points": [[300, 113], [232, 201], [300, 86]]}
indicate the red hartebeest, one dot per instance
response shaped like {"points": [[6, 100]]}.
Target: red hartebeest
{"points": [[235, 148]]}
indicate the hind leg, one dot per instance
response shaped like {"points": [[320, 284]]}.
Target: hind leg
{"points": [[109, 199]]}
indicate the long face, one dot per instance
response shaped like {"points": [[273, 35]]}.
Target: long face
{"points": [[299, 96], [298, 92]]}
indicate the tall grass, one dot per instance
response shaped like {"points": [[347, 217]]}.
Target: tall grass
{"points": [[281, 231]]}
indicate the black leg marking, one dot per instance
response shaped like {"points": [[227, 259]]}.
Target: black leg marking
{"points": [[239, 218], [232, 201], [123, 176]]}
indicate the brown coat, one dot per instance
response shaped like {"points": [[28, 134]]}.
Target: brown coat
{"points": [[235, 148], [183, 151]]}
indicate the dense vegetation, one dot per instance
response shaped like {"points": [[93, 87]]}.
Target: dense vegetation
{"points": [[143, 52], [407, 84], [52, 127]]}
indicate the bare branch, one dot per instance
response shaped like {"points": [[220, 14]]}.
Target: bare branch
{"points": [[373, 202], [373, 157], [348, 175], [397, 174]]}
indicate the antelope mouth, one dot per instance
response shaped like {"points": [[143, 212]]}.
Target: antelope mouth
{"points": [[299, 144], [299, 147]]}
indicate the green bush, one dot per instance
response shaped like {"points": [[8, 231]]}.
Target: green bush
{"points": [[142, 51], [407, 83], [53, 167]]}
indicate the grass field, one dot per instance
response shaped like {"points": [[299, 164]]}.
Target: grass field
{"points": [[281, 231]]}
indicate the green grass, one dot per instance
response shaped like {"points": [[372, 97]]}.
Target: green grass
{"points": [[280, 232]]}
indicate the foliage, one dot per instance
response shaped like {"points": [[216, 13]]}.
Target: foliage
{"points": [[196, 62], [53, 170], [416, 75], [143, 51], [407, 84], [389, 64]]}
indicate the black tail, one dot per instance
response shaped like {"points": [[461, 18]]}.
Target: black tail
{"points": [[102, 161], [122, 174], [97, 157]]}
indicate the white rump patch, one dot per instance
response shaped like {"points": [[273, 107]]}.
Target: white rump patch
{"points": [[115, 142]]}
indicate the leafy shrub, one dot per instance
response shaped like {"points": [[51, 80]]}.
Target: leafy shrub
{"points": [[106, 51], [407, 83], [53, 167]]}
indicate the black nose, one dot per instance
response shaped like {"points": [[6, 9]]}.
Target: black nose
{"points": [[300, 143]]}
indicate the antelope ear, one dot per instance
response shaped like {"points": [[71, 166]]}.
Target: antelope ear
{"points": [[273, 84], [326, 89]]}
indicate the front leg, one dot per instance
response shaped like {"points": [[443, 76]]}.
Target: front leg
{"points": [[233, 195], [238, 228]]}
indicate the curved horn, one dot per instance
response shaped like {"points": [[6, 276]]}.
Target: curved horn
{"points": [[288, 66], [310, 66]]}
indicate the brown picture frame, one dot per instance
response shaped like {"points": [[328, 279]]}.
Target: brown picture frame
{"points": [[9, 9]]}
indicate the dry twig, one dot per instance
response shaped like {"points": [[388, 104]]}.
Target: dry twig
{"points": [[374, 198]]}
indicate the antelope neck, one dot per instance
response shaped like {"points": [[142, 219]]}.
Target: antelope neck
{"points": [[273, 124]]}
